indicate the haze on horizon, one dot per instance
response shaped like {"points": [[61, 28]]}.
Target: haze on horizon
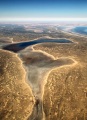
{"points": [[43, 9]]}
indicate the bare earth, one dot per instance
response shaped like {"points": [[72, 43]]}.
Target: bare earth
{"points": [[65, 94], [16, 98], [38, 65], [45, 82]]}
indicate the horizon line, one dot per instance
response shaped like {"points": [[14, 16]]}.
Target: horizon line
{"points": [[40, 19]]}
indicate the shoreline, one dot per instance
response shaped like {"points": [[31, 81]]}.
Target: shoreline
{"points": [[41, 83], [46, 37]]}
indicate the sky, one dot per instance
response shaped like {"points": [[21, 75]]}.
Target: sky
{"points": [[27, 9]]}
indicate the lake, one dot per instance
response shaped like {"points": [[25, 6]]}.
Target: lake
{"points": [[80, 30], [15, 47]]}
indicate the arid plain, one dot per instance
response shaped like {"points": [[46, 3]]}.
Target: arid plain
{"points": [[46, 81]]}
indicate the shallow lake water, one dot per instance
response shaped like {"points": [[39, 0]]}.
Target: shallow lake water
{"points": [[15, 47], [80, 30]]}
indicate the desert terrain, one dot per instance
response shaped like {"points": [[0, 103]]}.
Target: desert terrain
{"points": [[46, 81]]}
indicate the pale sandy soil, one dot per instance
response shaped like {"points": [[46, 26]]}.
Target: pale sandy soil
{"points": [[65, 93], [16, 98], [38, 65], [57, 76]]}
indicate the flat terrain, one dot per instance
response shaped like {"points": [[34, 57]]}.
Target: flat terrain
{"points": [[47, 81]]}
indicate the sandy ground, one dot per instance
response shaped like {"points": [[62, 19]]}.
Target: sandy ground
{"points": [[65, 93], [38, 65], [16, 98], [39, 61]]}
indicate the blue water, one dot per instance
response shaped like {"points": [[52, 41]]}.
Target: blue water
{"points": [[25, 44], [22, 45], [80, 30]]}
